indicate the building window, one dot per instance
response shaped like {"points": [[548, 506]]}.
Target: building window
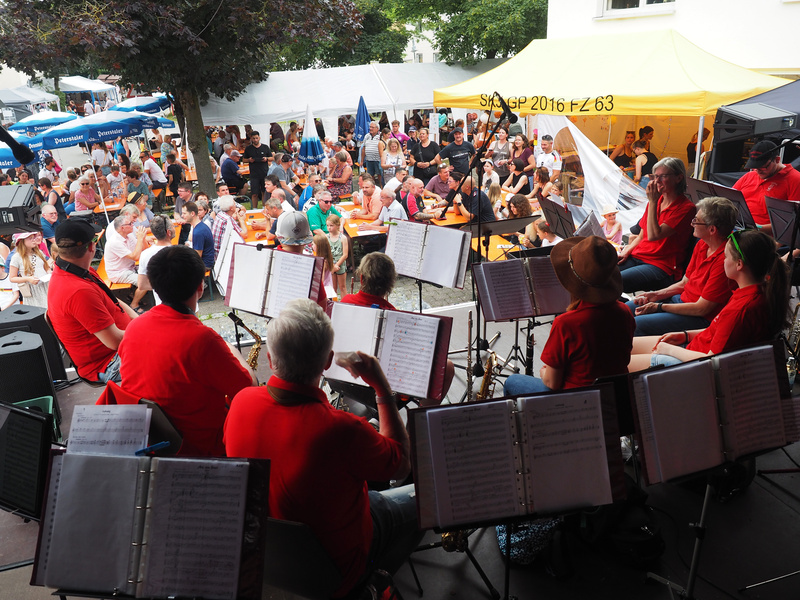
{"points": [[418, 57], [435, 57], [625, 4]]}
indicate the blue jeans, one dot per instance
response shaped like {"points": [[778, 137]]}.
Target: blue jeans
{"points": [[517, 385], [638, 275], [395, 533], [663, 322], [663, 359], [373, 167], [112, 371]]}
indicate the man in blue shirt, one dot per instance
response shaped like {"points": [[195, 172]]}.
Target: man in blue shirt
{"points": [[202, 238], [49, 223], [230, 173]]}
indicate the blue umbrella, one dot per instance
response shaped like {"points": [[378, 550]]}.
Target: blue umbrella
{"points": [[7, 159], [41, 121], [311, 150], [145, 104], [362, 120], [99, 127], [166, 123]]}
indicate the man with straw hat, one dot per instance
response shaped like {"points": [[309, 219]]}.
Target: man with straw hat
{"points": [[595, 336]]}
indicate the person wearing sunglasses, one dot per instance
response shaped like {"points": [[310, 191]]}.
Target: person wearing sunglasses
{"points": [[86, 316], [654, 257], [757, 311], [86, 198]]}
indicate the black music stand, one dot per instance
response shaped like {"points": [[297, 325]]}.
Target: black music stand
{"points": [[697, 189], [487, 230], [558, 217]]}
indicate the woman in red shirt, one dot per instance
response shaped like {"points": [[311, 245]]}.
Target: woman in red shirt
{"points": [[593, 337], [756, 313], [654, 258]]}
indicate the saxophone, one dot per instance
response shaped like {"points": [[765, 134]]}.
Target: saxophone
{"points": [[489, 381], [252, 356]]}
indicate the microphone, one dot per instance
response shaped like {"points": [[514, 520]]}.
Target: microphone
{"points": [[22, 153], [503, 105]]}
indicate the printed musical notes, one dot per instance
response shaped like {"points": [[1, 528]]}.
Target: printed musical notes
{"points": [[564, 434], [195, 520], [474, 467], [290, 279], [407, 353], [504, 290], [551, 297], [120, 429], [404, 245]]}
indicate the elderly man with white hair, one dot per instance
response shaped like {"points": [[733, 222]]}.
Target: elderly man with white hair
{"points": [[229, 215], [391, 211], [322, 458], [121, 253]]}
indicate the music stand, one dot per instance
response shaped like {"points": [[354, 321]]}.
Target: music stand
{"points": [[487, 230], [558, 217], [783, 218], [697, 189]]}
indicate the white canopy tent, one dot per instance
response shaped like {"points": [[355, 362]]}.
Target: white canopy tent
{"points": [[334, 92], [76, 83], [22, 99]]}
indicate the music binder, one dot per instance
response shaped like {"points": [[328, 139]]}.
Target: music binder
{"points": [[516, 289], [24, 446], [701, 414], [429, 252], [262, 280], [590, 226], [494, 461], [152, 527], [411, 348]]}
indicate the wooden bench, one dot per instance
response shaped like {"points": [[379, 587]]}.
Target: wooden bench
{"points": [[101, 272]]}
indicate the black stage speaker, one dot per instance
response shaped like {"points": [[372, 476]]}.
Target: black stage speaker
{"points": [[749, 120], [18, 209], [31, 318], [24, 371]]}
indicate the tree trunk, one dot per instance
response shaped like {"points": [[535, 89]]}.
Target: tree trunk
{"points": [[190, 103], [180, 119], [56, 83]]}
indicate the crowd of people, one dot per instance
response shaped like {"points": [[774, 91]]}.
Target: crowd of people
{"points": [[695, 287]]}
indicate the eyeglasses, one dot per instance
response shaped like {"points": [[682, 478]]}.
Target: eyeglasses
{"points": [[696, 222], [732, 237], [84, 184]]}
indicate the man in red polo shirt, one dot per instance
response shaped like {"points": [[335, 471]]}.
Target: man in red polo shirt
{"points": [[768, 177], [322, 458], [173, 359], [86, 316]]}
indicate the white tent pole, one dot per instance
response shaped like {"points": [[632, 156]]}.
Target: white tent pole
{"points": [[698, 147], [386, 90], [99, 189]]}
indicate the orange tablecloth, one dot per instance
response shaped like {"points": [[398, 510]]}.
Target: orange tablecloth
{"points": [[496, 252], [109, 207]]}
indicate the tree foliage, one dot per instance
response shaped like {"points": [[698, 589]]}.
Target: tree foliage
{"points": [[380, 40], [470, 31], [191, 48]]}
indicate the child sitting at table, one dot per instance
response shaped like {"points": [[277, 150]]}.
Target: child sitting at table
{"points": [[611, 227], [322, 247], [339, 251]]}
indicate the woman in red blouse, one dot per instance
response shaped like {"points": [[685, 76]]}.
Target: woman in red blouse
{"points": [[654, 258], [756, 313]]}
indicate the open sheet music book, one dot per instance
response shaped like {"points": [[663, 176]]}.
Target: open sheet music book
{"points": [[701, 414], [412, 348], [147, 527], [590, 226], [429, 252], [263, 280], [514, 289], [24, 446], [497, 460]]}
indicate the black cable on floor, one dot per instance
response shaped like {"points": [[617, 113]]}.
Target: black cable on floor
{"points": [[65, 383], [794, 462]]}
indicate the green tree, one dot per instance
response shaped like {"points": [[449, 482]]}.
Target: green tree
{"points": [[470, 31], [380, 40], [193, 48]]}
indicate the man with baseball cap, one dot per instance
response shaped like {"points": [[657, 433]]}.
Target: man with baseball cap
{"points": [[86, 316], [230, 173], [768, 176], [294, 233], [459, 152]]}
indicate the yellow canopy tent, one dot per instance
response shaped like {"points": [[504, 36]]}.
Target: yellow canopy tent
{"points": [[663, 74]]}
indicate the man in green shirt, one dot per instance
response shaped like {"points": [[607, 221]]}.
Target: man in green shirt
{"points": [[318, 215]]}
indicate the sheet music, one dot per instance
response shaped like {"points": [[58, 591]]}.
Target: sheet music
{"points": [[21, 438], [222, 262], [473, 463], [119, 429], [46, 523], [751, 401], [423, 476], [354, 328], [91, 540], [409, 343], [791, 418], [683, 405], [404, 247], [551, 297], [440, 259], [250, 271], [195, 537], [590, 226], [506, 290], [566, 445], [291, 278]]}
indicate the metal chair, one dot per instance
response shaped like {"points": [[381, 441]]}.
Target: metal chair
{"points": [[72, 362]]}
